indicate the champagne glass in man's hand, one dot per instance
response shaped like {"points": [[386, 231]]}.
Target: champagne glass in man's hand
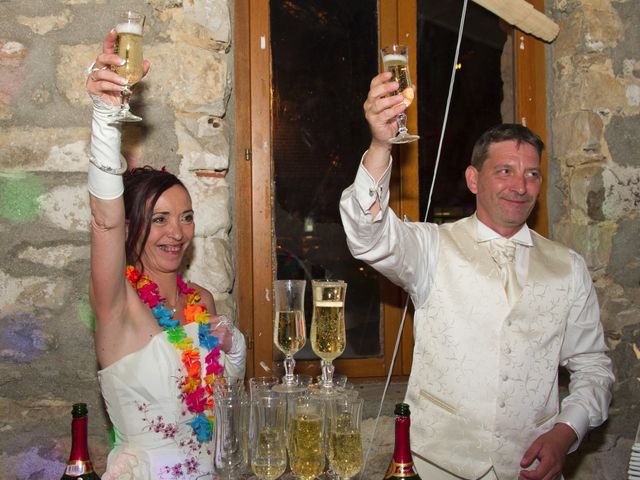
{"points": [[395, 59]]}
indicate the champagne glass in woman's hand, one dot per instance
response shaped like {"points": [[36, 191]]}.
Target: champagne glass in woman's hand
{"points": [[129, 49], [103, 82], [221, 327]]}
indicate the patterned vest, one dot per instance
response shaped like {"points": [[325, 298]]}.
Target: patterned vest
{"points": [[484, 380]]}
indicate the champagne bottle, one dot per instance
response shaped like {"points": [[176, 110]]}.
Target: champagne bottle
{"points": [[401, 466], [79, 465]]}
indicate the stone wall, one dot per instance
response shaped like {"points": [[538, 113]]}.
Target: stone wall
{"points": [[47, 360], [594, 188]]}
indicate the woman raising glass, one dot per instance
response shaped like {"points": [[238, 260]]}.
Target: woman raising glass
{"points": [[158, 340]]}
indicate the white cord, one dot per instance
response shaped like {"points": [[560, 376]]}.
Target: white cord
{"points": [[435, 172]]}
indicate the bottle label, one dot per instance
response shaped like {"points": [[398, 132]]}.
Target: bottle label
{"points": [[78, 467], [400, 470]]}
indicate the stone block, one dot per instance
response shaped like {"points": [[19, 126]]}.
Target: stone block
{"points": [[592, 241], [621, 191], [56, 256], [46, 24], [624, 261], [577, 133], [83, 2], [12, 74], [67, 207], [161, 5], [202, 23], [203, 143], [210, 197], [23, 339], [623, 140], [209, 264], [586, 191], [211, 14], [19, 196], [24, 294], [186, 77], [71, 71], [593, 27], [591, 86], [44, 149]]}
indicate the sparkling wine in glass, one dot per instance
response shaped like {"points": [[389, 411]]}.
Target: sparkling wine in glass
{"points": [[289, 331], [268, 443], [129, 48], [328, 335], [306, 437], [345, 440], [395, 59]]}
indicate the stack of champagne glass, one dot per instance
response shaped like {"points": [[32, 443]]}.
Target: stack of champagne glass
{"points": [[297, 429], [302, 434]]}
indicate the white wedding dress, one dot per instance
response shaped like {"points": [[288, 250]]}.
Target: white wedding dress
{"points": [[153, 439]]}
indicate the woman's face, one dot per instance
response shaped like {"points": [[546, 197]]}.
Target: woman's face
{"points": [[172, 229]]}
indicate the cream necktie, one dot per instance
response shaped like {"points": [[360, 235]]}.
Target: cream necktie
{"points": [[503, 252]]}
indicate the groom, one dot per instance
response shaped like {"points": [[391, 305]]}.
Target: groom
{"points": [[498, 309]]}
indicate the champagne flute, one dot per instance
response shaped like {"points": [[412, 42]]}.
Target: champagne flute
{"points": [[345, 439], [129, 48], [328, 335], [395, 59], [268, 442], [289, 331], [306, 437]]}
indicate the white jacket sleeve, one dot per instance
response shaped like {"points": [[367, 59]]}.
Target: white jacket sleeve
{"points": [[105, 150], [583, 354], [404, 252], [236, 359]]}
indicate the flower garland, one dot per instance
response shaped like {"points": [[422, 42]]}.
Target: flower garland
{"points": [[197, 392]]}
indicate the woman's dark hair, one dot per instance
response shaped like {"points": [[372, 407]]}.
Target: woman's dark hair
{"points": [[503, 133], [142, 188]]}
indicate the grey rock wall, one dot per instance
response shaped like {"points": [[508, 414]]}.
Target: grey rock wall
{"points": [[594, 84]]}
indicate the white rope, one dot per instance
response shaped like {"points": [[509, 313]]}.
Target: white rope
{"points": [[433, 181]]}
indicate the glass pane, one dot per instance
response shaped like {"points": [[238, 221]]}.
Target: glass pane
{"points": [[483, 96], [324, 54]]}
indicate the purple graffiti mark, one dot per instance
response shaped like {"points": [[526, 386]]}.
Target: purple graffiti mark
{"points": [[21, 340]]}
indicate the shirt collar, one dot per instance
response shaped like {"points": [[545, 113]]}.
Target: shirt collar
{"points": [[484, 234]]}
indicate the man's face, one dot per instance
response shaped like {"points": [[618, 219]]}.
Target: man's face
{"points": [[506, 186]]}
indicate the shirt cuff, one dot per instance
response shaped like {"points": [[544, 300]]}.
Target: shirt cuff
{"points": [[368, 191], [575, 417]]}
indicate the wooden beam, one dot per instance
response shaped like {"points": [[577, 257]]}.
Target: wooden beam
{"points": [[524, 16]]}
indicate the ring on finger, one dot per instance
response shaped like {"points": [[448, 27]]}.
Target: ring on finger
{"points": [[94, 70]]}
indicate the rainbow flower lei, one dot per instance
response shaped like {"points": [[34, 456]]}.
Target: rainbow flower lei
{"points": [[197, 392]]}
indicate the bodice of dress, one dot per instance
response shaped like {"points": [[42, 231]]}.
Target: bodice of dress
{"points": [[153, 439]]}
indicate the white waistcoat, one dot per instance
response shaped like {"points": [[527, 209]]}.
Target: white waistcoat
{"points": [[484, 384]]}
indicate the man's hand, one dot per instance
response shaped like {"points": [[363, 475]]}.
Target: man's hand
{"points": [[381, 109], [550, 449]]}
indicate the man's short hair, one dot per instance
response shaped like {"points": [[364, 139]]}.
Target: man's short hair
{"points": [[502, 133]]}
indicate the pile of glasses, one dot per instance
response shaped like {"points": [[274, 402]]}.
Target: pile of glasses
{"points": [[267, 434]]}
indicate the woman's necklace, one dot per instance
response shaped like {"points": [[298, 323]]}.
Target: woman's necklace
{"points": [[197, 392]]}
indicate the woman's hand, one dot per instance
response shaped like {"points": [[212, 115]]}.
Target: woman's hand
{"points": [[103, 82], [220, 328]]}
